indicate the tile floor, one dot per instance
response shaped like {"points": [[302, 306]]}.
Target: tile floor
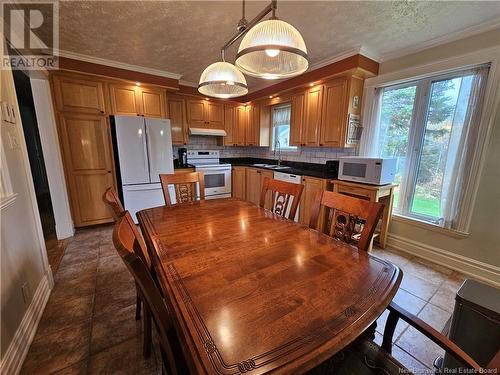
{"points": [[88, 327]]}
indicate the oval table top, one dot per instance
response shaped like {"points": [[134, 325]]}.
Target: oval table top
{"points": [[252, 292]]}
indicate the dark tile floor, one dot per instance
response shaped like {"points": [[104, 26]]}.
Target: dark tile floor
{"points": [[89, 323]]}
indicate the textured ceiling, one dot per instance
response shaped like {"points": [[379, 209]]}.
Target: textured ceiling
{"points": [[185, 36]]}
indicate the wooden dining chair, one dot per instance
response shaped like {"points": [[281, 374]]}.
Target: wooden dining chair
{"points": [[127, 244], [284, 195], [110, 197], [184, 185], [141, 250], [364, 356], [350, 219]]}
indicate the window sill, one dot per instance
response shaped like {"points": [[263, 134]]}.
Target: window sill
{"points": [[7, 201], [429, 226]]}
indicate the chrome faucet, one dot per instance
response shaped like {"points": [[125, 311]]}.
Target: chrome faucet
{"points": [[277, 145]]}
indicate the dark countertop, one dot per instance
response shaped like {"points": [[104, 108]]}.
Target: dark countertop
{"points": [[297, 168], [177, 166]]}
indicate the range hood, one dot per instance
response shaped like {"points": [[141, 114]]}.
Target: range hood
{"points": [[203, 131]]}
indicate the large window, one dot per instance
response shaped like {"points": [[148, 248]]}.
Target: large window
{"points": [[430, 126], [281, 127]]}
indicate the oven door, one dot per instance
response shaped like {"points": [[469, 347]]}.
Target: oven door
{"points": [[217, 181]]}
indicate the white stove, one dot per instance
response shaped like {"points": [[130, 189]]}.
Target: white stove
{"points": [[217, 175]]}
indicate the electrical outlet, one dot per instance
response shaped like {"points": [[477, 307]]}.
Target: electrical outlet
{"points": [[25, 289]]}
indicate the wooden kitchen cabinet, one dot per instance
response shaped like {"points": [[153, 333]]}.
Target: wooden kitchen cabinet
{"points": [[269, 196], [229, 124], [297, 119], [252, 134], [205, 114], [334, 113], [312, 116], [132, 100], [253, 185], [176, 112], [254, 181], [312, 185], [152, 102], [320, 115], [75, 94], [215, 115], [238, 183], [88, 165]]}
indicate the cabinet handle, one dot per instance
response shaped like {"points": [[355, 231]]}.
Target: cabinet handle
{"points": [[109, 171], [321, 144], [102, 111], [258, 171]]}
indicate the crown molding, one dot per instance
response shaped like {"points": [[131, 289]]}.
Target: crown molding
{"points": [[188, 83], [451, 37], [117, 64]]}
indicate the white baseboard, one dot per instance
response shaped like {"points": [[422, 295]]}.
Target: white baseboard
{"points": [[482, 271], [20, 344]]}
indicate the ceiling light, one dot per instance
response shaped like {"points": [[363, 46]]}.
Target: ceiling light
{"points": [[222, 80], [311, 84], [137, 83], [272, 49]]}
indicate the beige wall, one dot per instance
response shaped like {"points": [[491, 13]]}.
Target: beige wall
{"points": [[459, 47], [21, 252], [483, 243]]}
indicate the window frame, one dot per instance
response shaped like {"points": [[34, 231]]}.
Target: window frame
{"points": [[435, 68], [416, 137]]}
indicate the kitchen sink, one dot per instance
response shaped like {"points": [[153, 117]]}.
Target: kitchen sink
{"points": [[271, 166], [279, 167]]}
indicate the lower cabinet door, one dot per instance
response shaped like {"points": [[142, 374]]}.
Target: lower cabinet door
{"points": [[269, 196], [238, 183], [253, 185], [87, 157], [311, 187]]}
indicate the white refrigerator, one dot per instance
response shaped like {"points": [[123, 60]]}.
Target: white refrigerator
{"points": [[143, 151]]}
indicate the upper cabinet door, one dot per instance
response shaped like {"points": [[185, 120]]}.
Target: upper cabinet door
{"points": [[177, 115], [297, 119], [239, 129], [125, 100], [230, 124], [215, 115], [196, 116], [334, 113], [153, 102], [253, 125], [79, 95], [312, 119]]}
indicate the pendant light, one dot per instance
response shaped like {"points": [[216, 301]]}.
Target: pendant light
{"points": [[272, 49], [222, 80]]}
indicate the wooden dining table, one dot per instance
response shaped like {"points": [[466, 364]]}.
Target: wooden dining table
{"points": [[252, 292]]}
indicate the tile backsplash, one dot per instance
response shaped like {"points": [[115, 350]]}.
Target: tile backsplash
{"points": [[318, 155]]}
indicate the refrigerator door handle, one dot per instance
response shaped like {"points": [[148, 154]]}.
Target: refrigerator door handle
{"points": [[146, 146]]}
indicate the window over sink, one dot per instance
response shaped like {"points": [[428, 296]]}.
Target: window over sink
{"points": [[281, 127]]}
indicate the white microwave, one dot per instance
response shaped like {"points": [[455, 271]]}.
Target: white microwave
{"points": [[375, 171]]}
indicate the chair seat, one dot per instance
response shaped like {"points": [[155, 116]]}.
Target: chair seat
{"points": [[362, 357]]}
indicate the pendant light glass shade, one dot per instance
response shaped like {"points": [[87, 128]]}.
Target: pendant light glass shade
{"points": [[272, 49], [222, 80]]}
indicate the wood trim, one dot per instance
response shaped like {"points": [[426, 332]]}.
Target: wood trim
{"points": [[112, 72], [358, 61]]}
